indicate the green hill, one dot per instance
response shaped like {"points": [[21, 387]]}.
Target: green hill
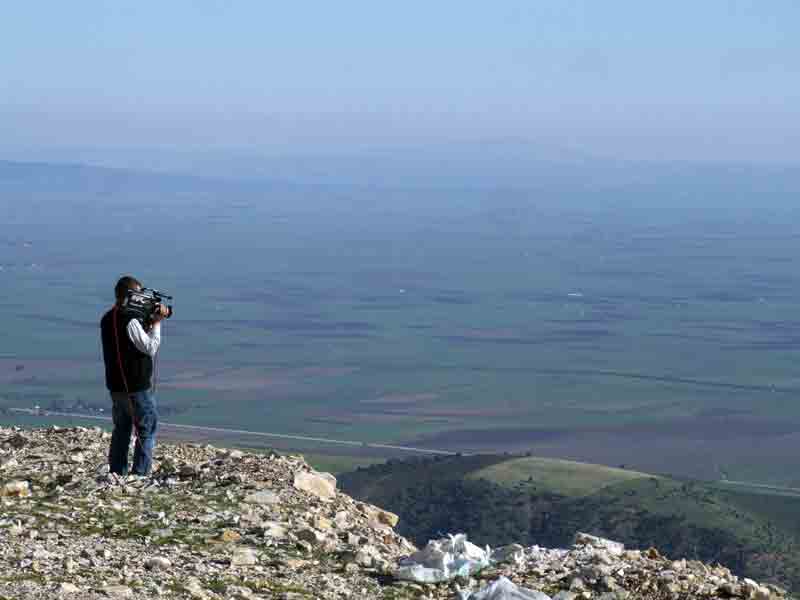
{"points": [[564, 477], [500, 499]]}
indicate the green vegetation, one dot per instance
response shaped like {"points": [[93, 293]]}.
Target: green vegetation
{"points": [[781, 510], [653, 326], [564, 477], [335, 464], [565, 322], [531, 501]]}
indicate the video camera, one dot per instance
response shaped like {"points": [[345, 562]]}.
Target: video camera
{"points": [[142, 304]]}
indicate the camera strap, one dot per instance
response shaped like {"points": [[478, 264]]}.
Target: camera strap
{"points": [[131, 407], [119, 354]]}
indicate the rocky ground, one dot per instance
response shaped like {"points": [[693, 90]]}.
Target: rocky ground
{"points": [[211, 523]]}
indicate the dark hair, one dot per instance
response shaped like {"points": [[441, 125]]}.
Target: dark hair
{"points": [[124, 284]]}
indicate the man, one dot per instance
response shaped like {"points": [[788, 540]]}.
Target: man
{"points": [[129, 347]]}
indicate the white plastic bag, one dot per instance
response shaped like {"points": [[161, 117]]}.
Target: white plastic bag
{"points": [[443, 560], [503, 589]]}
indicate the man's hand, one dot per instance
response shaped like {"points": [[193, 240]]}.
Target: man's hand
{"points": [[160, 313]]}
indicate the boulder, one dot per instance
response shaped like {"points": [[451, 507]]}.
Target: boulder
{"points": [[584, 539], [312, 536], [508, 553], [274, 530], [67, 588], [77, 457], [17, 441], [229, 535], [321, 485], [157, 563], [243, 557], [383, 517]]}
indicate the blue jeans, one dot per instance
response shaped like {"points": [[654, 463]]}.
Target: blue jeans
{"points": [[137, 409]]}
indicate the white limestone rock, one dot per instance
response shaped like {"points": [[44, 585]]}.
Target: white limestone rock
{"points": [[157, 563], [321, 485], [67, 589], [263, 497], [117, 591], [274, 530], [19, 489], [244, 557]]}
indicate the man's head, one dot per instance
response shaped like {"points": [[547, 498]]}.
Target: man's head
{"points": [[123, 285]]}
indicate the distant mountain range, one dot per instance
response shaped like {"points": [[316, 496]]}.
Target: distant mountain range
{"points": [[489, 164]]}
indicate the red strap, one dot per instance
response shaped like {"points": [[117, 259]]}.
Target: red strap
{"points": [[119, 354], [131, 407]]}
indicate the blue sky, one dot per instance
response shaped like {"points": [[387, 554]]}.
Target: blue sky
{"points": [[711, 80]]}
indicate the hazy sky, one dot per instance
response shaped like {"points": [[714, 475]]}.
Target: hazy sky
{"points": [[709, 79]]}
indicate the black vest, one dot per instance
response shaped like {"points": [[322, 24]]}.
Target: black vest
{"points": [[137, 366]]}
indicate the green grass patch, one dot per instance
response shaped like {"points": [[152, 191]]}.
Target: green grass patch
{"points": [[563, 477], [779, 510], [319, 459], [332, 463]]}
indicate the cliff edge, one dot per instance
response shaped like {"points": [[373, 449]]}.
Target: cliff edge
{"points": [[212, 523]]}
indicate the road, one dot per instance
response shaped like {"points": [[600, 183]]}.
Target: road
{"points": [[283, 436], [351, 443], [776, 489]]}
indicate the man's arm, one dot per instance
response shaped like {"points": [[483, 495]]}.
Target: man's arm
{"points": [[147, 343]]}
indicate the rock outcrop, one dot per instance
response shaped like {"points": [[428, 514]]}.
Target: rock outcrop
{"points": [[211, 523]]}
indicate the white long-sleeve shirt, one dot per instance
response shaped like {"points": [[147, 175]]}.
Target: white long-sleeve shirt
{"points": [[144, 341]]}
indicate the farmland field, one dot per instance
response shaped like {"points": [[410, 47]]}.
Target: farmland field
{"points": [[654, 326]]}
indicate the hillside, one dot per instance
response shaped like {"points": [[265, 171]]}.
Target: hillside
{"points": [[213, 524], [565, 477], [499, 499]]}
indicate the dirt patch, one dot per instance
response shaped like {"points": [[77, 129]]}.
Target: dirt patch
{"points": [[300, 326], [489, 334], [223, 385], [424, 405], [372, 418], [451, 412], [250, 378], [325, 371], [509, 337], [13, 370], [699, 448], [402, 399], [703, 429], [468, 412]]}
